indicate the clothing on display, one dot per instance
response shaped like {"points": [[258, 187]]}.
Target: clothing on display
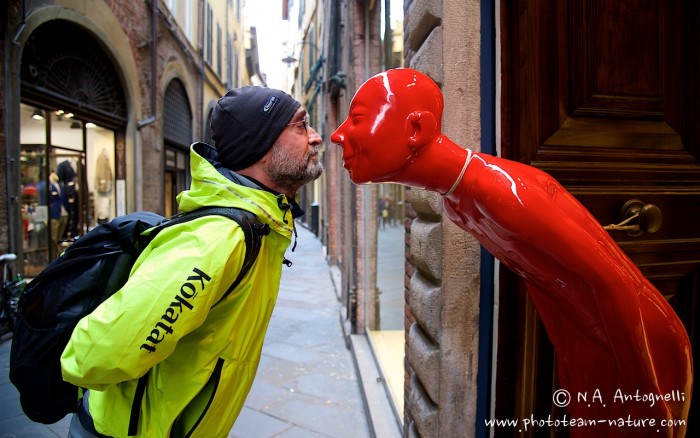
{"points": [[57, 212], [103, 174], [66, 172], [104, 181]]}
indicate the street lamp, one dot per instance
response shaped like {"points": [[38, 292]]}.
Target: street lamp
{"points": [[290, 59]]}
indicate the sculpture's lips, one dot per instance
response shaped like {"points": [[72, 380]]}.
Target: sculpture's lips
{"points": [[347, 160]]}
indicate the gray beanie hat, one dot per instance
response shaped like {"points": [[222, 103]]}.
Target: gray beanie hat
{"points": [[246, 122]]}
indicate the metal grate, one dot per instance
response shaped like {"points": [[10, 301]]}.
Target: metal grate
{"points": [[65, 61], [177, 117]]}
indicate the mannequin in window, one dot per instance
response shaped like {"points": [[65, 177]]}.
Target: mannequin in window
{"points": [[57, 213], [66, 172], [103, 187]]}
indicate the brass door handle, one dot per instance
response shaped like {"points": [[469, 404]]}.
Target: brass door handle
{"points": [[648, 218]]}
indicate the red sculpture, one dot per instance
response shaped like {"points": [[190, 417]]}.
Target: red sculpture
{"points": [[618, 341]]}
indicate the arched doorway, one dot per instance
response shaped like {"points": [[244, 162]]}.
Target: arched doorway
{"points": [[72, 122], [177, 137]]}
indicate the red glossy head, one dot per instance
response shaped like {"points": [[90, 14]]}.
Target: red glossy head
{"points": [[391, 116]]}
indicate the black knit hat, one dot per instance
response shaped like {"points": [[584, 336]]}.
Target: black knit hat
{"points": [[246, 122]]}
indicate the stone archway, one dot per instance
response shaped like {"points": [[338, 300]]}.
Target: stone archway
{"points": [[73, 70]]}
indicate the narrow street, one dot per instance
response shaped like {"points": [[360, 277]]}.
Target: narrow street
{"points": [[306, 384]]}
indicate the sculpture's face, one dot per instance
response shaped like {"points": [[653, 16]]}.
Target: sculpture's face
{"points": [[380, 136], [374, 136]]}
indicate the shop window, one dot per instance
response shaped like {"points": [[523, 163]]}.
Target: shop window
{"points": [[66, 180], [176, 177], [386, 330], [72, 112]]}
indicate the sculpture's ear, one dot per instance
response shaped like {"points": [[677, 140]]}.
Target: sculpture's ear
{"points": [[421, 127]]}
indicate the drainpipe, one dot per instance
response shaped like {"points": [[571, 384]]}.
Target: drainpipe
{"points": [[366, 197], [12, 147], [202, 24], [138, 146], [154, 54], [367, 38]]}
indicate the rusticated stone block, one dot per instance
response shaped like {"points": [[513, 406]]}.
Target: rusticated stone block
{"points": [[426, 247], [412, 431], [425, 360], [428, 59], [424, 300], [423, 16], [423, 411], [427, 204]]}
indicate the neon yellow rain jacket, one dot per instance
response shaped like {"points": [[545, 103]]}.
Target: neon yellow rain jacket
{"points": [[202, 353]]}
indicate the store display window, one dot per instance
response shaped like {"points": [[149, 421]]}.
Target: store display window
{"points": [[385, 311], [66, 181]]}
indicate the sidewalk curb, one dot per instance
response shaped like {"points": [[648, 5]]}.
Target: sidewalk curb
{"points": [[381, 419]]}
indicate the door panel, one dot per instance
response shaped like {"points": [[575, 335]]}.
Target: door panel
{"points": [[603, 95]]}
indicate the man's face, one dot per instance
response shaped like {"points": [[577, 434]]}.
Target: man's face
{"points": [[373, 137], [293, 159]]}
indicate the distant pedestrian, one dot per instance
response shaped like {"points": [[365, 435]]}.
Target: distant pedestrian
{"points": [[202, 351], [383, 212], [391, 211]]}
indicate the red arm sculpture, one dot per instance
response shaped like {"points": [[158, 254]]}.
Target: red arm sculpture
{"points": [[616, 338]]}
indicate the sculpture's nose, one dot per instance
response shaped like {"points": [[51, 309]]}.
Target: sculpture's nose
{"points": [[338, 138]]}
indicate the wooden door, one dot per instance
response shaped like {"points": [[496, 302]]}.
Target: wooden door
{"points": [[604, 96]]}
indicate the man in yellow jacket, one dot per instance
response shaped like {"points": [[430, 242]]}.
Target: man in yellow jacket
{"points": [[201, 350]]}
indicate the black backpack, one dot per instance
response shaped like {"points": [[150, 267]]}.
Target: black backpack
{"points": [[92, 269]]}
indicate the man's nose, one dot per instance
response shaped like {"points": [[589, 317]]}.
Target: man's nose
{"points": [[314, 137]]}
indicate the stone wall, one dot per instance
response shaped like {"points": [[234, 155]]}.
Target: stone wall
{"points": [[442, 316]]}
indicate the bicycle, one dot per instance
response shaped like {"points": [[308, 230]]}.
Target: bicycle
{"points": [[11, 291]]}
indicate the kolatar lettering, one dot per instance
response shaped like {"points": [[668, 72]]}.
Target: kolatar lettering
{"points": [[183, 300]]}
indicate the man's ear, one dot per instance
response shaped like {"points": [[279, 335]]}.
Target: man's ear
{"points": [[421, 127]]}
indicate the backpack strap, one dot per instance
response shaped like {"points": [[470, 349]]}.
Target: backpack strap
{"points": [[253, 231]]}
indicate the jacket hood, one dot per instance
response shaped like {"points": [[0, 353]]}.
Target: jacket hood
{"points": [[215, 185]]}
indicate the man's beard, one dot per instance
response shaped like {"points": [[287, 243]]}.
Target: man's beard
{"points": [[290, 174]]}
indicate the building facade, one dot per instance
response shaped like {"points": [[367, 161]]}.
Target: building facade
{"points": [[305, 65], [601, 95], [101, 101]]}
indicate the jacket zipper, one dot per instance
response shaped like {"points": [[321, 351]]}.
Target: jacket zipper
{"points": [[212, 382]]}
